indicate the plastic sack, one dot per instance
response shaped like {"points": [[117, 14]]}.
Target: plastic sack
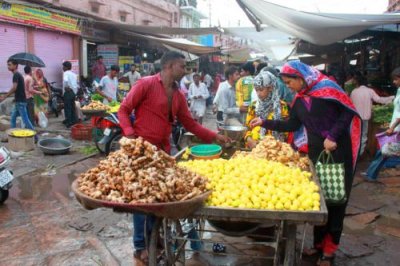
{"points": [[383, 138], [43, 121]]}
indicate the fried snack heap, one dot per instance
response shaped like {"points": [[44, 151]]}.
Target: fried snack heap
{"points": [[94, 106], [271, 149]]}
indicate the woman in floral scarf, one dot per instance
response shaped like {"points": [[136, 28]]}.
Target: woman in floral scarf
{"points": [[267, 106], [332, 124]]}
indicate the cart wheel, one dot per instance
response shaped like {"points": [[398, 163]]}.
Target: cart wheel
{"points": [[174, 243], [155, 234]]}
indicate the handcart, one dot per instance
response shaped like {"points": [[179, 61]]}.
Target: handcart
{"points": [[167, 242]]}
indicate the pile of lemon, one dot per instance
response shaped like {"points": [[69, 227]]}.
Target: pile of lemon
{"points": [[245, 182], [21, 133]]}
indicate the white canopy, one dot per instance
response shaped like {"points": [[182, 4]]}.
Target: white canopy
{"points": [[275, 44], [179, 43], [316, 28]]}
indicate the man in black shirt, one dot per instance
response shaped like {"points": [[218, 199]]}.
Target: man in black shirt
{"points": [[18, 89]]}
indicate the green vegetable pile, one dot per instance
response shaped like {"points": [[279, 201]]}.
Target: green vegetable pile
{"points": [[382, 113], [97, 97], [113, 104]]}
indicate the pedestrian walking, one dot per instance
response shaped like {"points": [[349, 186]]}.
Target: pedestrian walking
{"points": [[18, 89], [70, 88], [133, 76], [99, 69], [363, 97], [30, 92], [198, 94]]}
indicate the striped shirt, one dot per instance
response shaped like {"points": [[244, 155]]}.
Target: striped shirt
{"points": [[149, 100]]}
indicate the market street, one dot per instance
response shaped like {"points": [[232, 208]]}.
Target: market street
{"points": [[43, 224]]}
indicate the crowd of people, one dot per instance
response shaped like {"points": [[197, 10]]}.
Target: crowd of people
{"points": [[298, 104]]}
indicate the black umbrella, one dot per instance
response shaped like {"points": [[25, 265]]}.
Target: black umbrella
{"points": [[28, 59]]}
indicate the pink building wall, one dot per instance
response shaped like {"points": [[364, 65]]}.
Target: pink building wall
{"points": [[137, 12]]}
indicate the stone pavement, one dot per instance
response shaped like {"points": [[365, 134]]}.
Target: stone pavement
{"points": [[42, 224]]}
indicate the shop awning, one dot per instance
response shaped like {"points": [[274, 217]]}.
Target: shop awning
{"points": [[179, 43], [275, 44], [316, 28], [159, 30]]}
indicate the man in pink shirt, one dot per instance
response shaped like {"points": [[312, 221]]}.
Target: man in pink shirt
{"points": [[363, 97], [29, 92]]}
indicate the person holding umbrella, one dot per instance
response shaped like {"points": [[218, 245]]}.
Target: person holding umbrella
{"points": [[18, 89]]}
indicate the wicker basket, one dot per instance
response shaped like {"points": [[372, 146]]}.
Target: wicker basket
{"points": [[81, 132]]}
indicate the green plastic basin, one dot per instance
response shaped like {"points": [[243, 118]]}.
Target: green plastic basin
{"points": [[205, 149]]}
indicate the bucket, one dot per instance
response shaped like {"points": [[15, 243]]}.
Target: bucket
{"points": [[21, 143]]}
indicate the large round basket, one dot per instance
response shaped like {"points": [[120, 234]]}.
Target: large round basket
{"points": [[94, 112], [171, 210]]}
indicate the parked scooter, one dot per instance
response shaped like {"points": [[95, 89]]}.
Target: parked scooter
{"points": [[6, 176], [112, 133], [56, 102], [85, 91]]}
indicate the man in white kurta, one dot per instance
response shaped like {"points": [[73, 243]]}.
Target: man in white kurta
{"points": [[198, 93]]}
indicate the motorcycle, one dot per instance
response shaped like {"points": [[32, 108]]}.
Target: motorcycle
{"points": [[56, 102], [85, 92], [6, 176], [112, 133]]}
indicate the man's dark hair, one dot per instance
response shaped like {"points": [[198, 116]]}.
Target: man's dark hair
{"points": [[115, 68], [170, 56], [230, 71], [99, 57], [12, 61], [67, 65], [396, 73], [360, 79], [196, 75], [249, 67], [27, 69]]}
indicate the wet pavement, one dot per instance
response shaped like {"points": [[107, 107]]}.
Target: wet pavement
{"points": [[43, 224]]}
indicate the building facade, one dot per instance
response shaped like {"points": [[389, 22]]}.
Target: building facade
{"points": [[394, 6], [58, 30], [135, 12]]}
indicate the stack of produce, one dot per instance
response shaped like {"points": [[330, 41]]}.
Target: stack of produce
{"points": [[139, 173], [271, 149], [95, 105], [248, 182], [114, 107], [382, 113]]}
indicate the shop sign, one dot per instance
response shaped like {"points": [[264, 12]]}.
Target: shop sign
{"points": [[95, 34], [109, 52], [38, 17]]}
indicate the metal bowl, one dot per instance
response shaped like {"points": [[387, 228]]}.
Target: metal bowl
{"points": [[54, 146], [236, 133]]}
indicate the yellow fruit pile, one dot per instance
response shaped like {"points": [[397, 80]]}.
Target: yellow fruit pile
{"points": [[23, 133], [248, 182]]}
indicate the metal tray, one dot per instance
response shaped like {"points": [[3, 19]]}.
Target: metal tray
{"points": [[171, 210], [94, 112]]}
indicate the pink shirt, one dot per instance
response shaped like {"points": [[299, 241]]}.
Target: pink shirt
{"points": [[363, 97]]}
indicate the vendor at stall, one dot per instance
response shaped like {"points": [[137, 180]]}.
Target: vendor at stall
{"points": [[108, 85], [333, 125], [267, 106], [158, 102]]}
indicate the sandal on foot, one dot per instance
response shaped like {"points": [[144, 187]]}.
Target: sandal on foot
{"points": [[326, 260], [141, 256], [311, 252]]}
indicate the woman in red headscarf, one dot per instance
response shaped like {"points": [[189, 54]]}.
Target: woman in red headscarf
{"points": [[332, 124]]}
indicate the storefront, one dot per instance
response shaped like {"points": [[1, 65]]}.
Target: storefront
{"points": [[15, 35], [51, 36]]}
